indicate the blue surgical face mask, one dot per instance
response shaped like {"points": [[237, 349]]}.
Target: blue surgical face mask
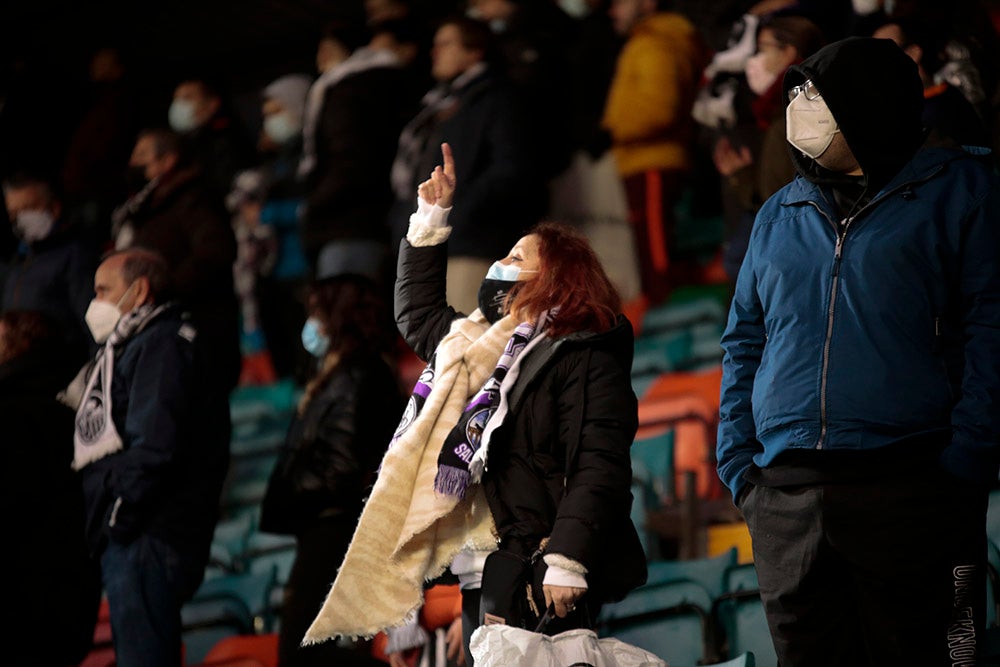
{"points": [[313, 339], [182, 116], [507, 272], [281, 127]]}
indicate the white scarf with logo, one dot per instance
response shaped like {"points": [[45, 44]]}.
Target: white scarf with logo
{"points": [[95, 435]]}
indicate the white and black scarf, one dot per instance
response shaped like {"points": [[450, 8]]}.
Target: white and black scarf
{"points": [[95, 435]]}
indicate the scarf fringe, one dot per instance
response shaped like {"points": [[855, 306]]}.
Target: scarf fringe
{"points": [[452, 481]]}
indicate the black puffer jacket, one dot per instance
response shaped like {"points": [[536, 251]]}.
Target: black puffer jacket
{"points": [[334, 447], [559, 465]]}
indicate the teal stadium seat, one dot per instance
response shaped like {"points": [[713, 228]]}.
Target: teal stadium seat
{"points": [[745, 660], [653, 467], [709, 572], [670, 620], [739, 614]]}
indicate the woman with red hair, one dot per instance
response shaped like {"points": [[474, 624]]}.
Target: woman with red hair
{"points": [[511, 464]]}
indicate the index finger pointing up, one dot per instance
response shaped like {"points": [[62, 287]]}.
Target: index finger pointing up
{"points": [[449, 161]]}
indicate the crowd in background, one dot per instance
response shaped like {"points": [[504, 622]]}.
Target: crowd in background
{"points": [[586, 111]]}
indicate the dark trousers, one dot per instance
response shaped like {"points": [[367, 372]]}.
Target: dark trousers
{"points": [[880, 572], [651, 198], [320, 552]]}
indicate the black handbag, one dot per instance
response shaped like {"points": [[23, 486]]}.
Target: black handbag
{"points": [[512, 589]]}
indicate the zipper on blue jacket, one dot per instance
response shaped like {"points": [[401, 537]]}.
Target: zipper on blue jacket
{"points": [[838, 251]]}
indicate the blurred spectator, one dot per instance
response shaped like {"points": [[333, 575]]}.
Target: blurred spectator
{"points": [[470, 109], [256, 252], [948, 115], [966, 47], [149, 454], [439, 618], [593, 52], [332, 451], [755, 169], [175, 215], [34, 124], [100, 147], [379, 11], [53, 268], [532, 39], [280, 280], [53, 580], [212, 137], [354, 114], [649, 117]]}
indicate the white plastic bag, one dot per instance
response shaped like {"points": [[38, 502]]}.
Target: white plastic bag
{"points": [[506, 646]]}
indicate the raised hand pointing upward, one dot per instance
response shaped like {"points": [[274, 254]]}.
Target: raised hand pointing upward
{"points": [[440, 187]]}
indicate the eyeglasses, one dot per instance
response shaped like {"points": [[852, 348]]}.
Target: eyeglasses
{"points": [[810, 90]]}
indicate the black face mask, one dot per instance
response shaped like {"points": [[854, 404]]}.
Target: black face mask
{"points": [[135, 178], [492, 297]]}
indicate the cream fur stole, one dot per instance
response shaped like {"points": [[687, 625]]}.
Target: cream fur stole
{"points": [[408, 534]]}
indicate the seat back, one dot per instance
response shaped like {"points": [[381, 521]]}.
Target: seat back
{"points": [[744, 625], [669, 619], [653, 466], [745, 660], [262, 649], [709, 572]]}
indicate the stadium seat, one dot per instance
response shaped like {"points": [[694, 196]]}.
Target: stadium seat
{"points": [[668, 619], [710, 573], [745, 660], [256, 650], [739, 614], [653, 467]]}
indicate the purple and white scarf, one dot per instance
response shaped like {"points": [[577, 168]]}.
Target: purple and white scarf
{"points": [[462, 443]]}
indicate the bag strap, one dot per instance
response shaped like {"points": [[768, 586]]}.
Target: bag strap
{"points": [[550, 613]]}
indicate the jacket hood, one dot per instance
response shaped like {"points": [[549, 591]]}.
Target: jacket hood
{"points": [[876, 96], [619, 341], [664, 23]]}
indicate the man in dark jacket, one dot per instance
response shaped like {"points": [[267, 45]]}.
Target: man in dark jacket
{"points": [[150, 457], [859, 415], [175, 215], [471, 110], [354, 113], [211, 136], [53, 269]]}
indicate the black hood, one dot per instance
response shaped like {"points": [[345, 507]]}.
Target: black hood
{"points": [[876, 95]]}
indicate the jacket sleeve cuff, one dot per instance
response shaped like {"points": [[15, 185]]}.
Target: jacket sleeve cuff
{"points": [[557, 576], [564, 571], [428, 225]]}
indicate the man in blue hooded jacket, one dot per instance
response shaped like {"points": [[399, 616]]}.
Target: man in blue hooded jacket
{"points": [[859, 423]]}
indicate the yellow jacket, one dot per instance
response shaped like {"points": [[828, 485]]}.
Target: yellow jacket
{"points": [[648, 111]]}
